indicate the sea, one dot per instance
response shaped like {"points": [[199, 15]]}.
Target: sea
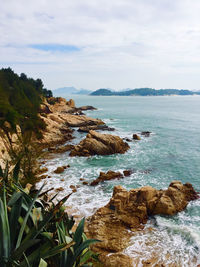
{"points": [[171, 152]]}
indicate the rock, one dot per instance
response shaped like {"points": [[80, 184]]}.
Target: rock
{"points": [[72, 186], [59, 170], [99, 144], [44, 176], [128, 172], [59, 189], [81, 121], [82, 179], [146, 134], [60, 119], [67, 166], [116, 259], [136, 137], [71, 103], [44, 108], [84, 108], [42, 170], [102, 127], [85, 183], [110, 175], [60, 149], [127, 139], [129, 210]]}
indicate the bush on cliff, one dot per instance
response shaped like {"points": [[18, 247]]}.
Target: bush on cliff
{"points": [[20, 99], [20, 125]]}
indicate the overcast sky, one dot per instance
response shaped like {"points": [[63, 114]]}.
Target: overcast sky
{"points": [[103, 43]]}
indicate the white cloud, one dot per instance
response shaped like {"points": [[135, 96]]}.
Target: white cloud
{"points": [[123, 43]]}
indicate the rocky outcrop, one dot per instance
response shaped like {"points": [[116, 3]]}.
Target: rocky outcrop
{"points": [[99, 144], [110, 175], [84, 108], [129, 210], [58, 117], [71, 103], [101, 127], [80, 121]]}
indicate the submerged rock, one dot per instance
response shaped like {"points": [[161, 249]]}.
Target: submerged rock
{"points": [[129, 210], [146, 133], [99, 144], [136, 137], [59, 170]]}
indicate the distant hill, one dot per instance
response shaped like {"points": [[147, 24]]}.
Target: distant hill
{"points": [[64, 91], [143, 92]]}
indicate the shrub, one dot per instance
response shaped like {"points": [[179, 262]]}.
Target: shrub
{"points": [[36, 233]]}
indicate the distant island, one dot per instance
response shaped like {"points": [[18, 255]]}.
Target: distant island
{"points": [[65, 91], [143, 92]]}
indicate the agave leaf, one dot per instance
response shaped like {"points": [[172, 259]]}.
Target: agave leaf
{"points": [[16, 171], [1, 172], [27, 262], [42, 263], [5, 174], [36, 215], [86, 257], [83, 246], [17, 254], [34, 232], [26, 219], [78, 233], [4, 231], [14, 198], [13, 220], [56, 250], [47, 235], [36, 254]]}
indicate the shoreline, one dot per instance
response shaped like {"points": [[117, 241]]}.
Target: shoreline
{"points": [[116, 256]]}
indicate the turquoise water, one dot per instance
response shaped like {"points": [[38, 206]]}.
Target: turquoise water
{"points": [[172, 152]]}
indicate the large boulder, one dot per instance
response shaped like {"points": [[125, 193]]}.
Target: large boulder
{"points": [[99, 144], [129, 210]]}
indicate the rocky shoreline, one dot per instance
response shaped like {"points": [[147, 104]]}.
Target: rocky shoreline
{"points": [[126, 212]]}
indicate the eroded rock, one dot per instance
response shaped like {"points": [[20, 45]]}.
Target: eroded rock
{"points": [[110, 175], [99, 144], [102, 127], [129, 210]]}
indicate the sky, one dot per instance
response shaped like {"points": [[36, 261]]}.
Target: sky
{"points": [[103, 43]]}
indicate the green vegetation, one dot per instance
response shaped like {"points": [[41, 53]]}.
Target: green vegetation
{"points": [[20, 99], [38, 233], [20, 125], [143, 92]]}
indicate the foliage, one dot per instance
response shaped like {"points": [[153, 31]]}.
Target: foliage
{"points": [[20, 125], [35, 233], [20, 99]]}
